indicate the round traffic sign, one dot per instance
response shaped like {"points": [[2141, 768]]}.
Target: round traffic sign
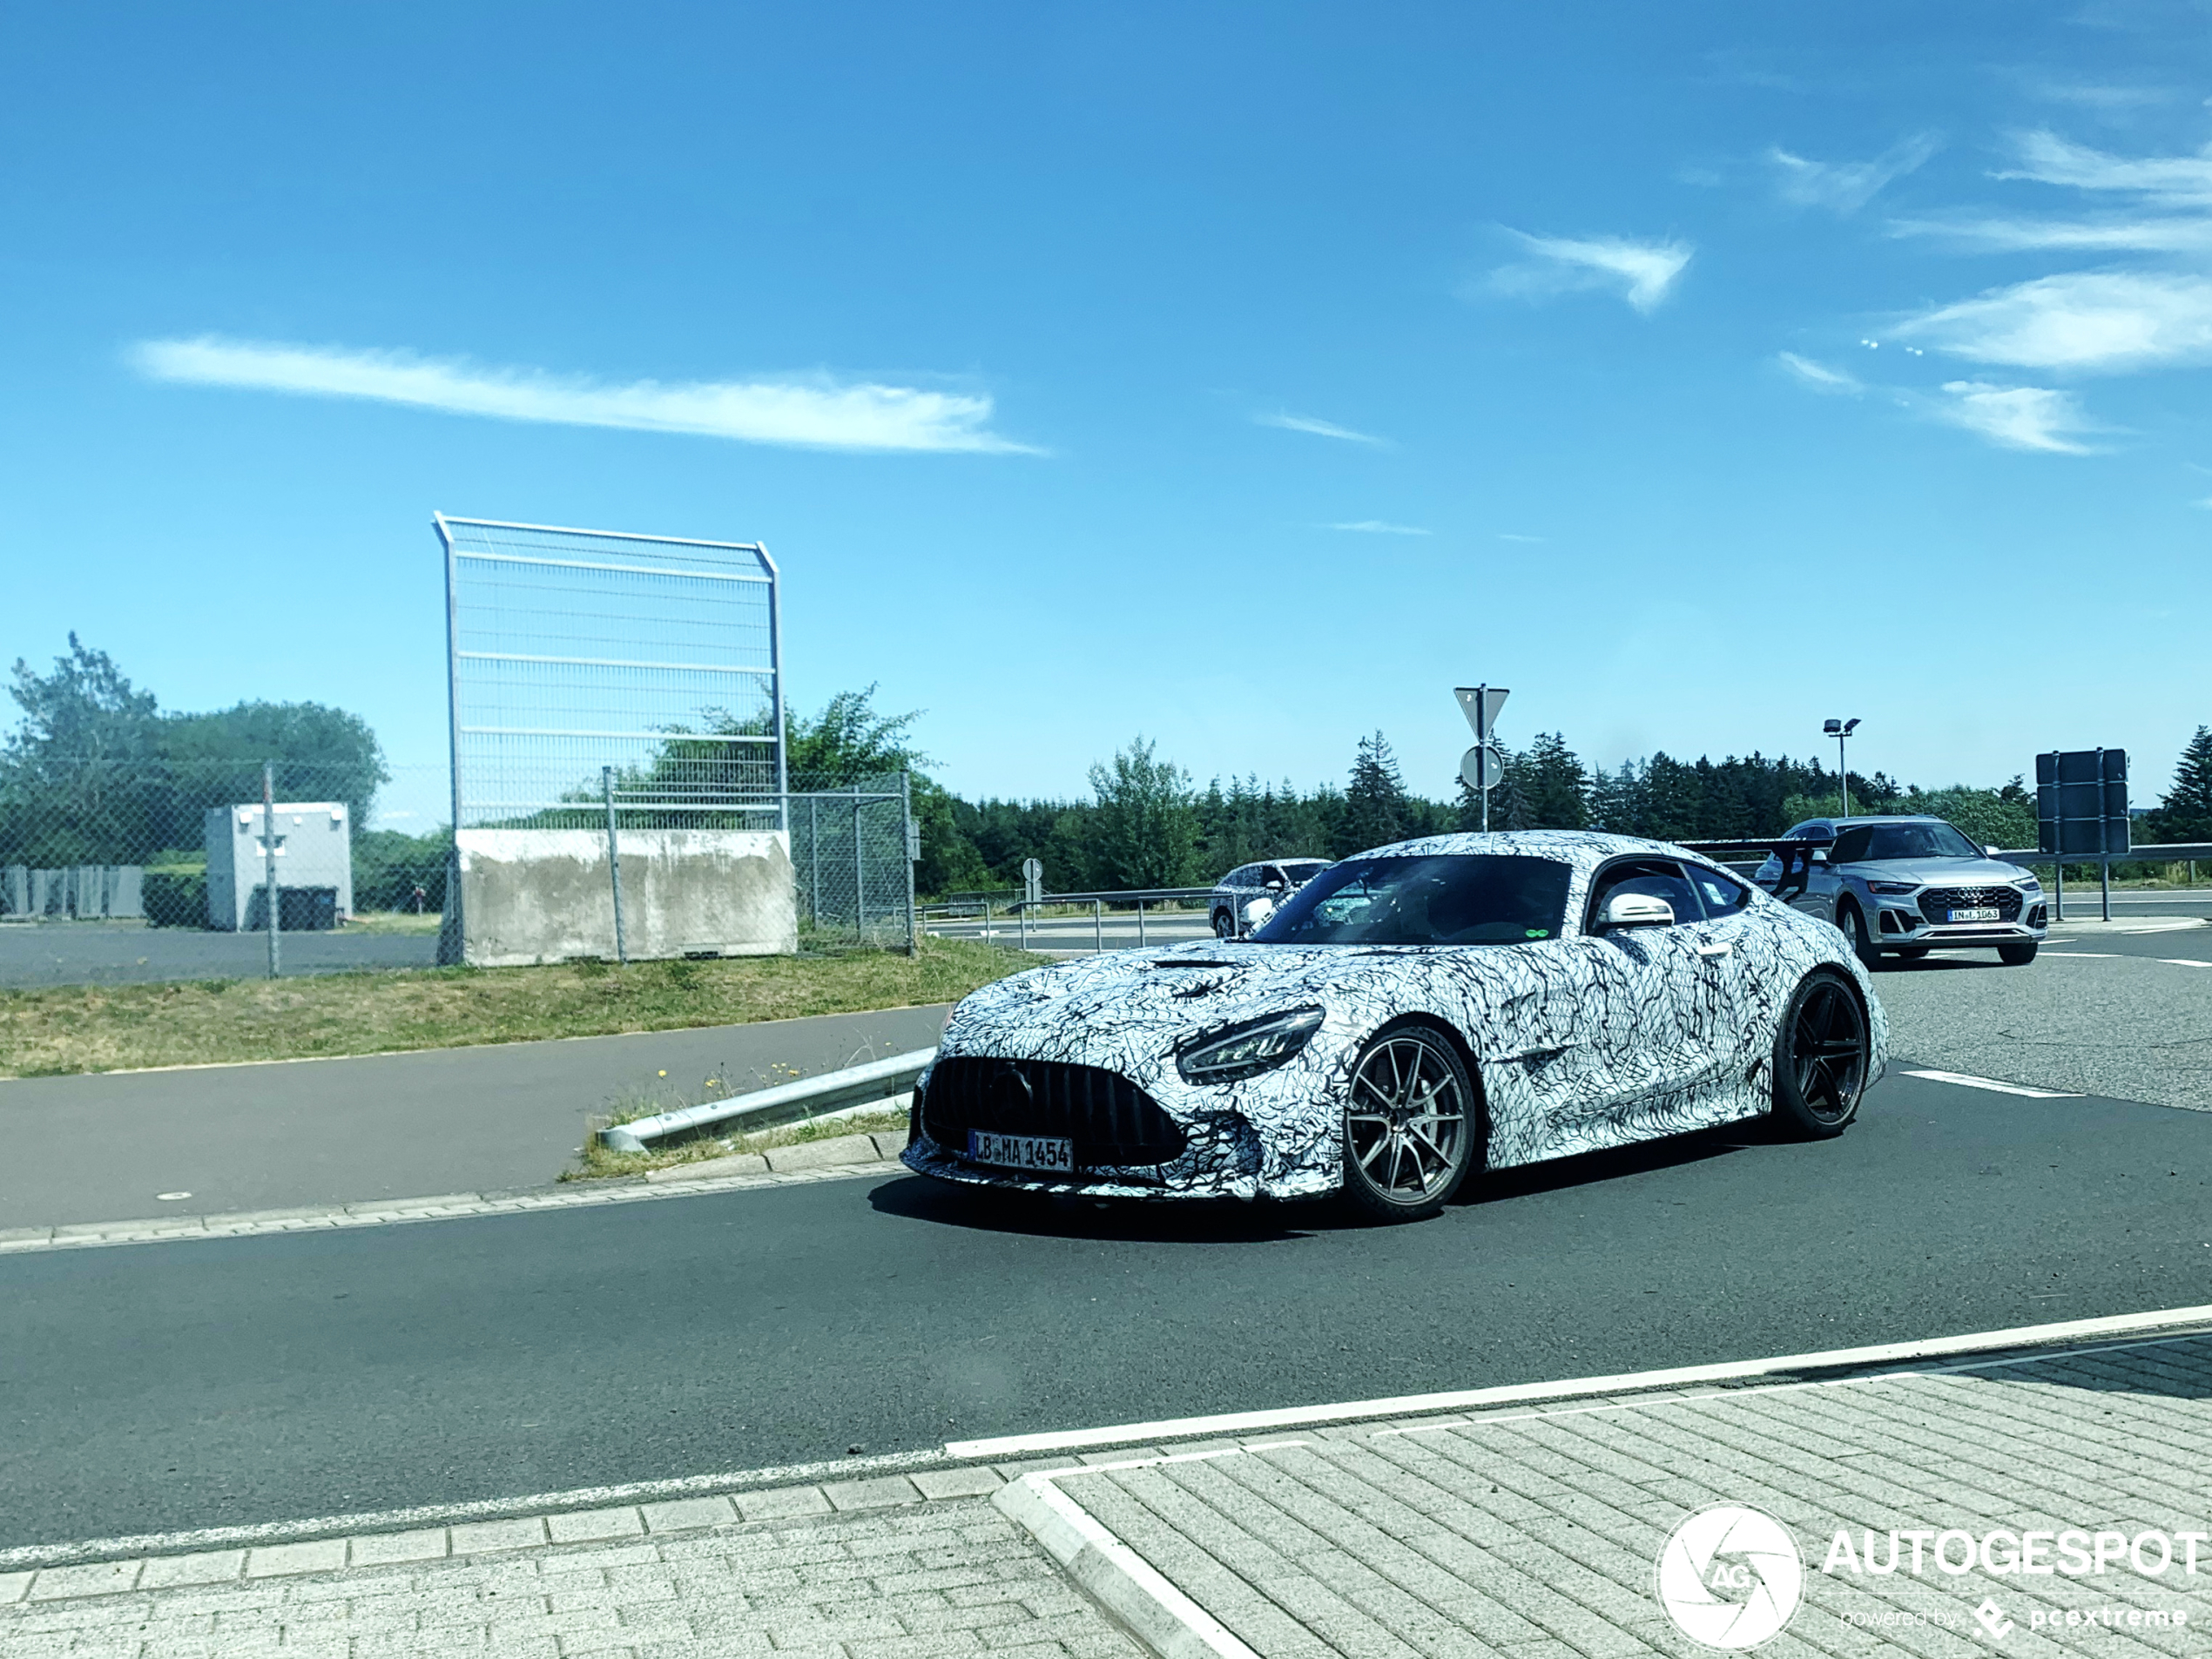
{"points": [[1481, 766]]}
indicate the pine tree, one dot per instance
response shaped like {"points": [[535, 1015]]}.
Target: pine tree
{"points": [[2184, 812], [1374, 800]]}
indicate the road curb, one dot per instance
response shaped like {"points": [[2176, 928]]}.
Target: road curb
{"points": [[165, 1230]]}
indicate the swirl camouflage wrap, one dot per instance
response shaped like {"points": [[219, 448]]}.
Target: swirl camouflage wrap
{"points": [[1576, 1041]]}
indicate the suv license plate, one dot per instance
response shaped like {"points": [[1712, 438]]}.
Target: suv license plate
{"points": [[1022, 1151], [1986, 912]]}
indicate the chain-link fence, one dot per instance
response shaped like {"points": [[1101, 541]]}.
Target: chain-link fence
{"points": [[363, 859]]}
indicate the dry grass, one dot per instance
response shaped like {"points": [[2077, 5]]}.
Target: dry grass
{"points": [[597, 1160], [109, 1028]]}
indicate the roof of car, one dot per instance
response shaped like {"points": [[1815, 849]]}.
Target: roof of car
{"points": [[1587, 848]]}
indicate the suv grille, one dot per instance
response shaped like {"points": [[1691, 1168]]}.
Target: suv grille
{"points": [[1111, 1120], [1937, 903]]}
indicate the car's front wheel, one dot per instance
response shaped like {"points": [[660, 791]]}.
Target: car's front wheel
{"points": [[2016, 955], [1410, 1126], [1822, 1055], [1852, 920]]}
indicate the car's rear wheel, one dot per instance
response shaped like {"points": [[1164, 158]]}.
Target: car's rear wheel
{"points": [[1822, 1055], [1409, 1127], [1853, 922], [2016, 955], [1224, 924]]}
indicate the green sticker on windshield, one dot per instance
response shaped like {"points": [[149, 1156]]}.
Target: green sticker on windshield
{"points": [[1539, 933]]}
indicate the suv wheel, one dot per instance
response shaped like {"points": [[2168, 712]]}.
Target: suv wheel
{"points": [[1853, 923], [2016, 955]]}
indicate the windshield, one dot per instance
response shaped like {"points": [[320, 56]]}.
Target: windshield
{"points": [[1465, 899], [1868, 842]]}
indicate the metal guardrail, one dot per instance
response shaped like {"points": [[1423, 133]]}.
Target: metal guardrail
{"points": [[982, 903], [2156, 853], [790, 1102]]}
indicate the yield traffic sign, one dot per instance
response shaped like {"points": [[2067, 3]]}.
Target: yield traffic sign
{"points": [[1480, 703]]}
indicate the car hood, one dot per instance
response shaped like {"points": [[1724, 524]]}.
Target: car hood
{"points": [[1132, 1006], [1969, 873]]}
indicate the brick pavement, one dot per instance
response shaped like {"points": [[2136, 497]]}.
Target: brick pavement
{"points": [[668, 1581], [1512, 1532], [1539, 1532]]}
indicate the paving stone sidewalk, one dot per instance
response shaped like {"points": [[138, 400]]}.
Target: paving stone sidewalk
{"points": [[1539, 1532], [666, 1582]]}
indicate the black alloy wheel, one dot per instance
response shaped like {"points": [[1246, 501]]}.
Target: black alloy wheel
{"points": [[1822, 1056], [1224, 924], [1409, 1127], [1853, 922], [2016, 955]]}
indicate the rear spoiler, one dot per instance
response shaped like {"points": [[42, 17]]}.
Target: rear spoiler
{"points": [[1795, 851]]}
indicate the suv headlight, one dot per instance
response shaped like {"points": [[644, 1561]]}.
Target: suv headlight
{"points": [[1892, 886], [2027, 884], [1248, 1048]]}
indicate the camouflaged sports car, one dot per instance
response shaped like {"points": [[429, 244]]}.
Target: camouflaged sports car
{"points": [[1412, 1015]]}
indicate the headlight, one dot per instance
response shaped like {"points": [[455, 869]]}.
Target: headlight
{"points": [[1892, 886], [1248, 1048], [2027, 884]]}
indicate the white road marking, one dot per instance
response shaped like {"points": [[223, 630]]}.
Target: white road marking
{"points": [[2083, 955], [1418, 1404], [2185, 962], [1990, 1082]]}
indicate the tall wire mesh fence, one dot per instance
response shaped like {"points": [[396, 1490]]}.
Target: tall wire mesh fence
{"points": [[575, 651]]}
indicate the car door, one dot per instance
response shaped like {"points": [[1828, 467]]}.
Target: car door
{"points": [[1734, 1009], [1645, 1025]]}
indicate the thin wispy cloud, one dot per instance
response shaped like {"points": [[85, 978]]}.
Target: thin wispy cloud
{"points": [[1318, 429], [1819, 377], [1380, 527], [2017, 417], [1509, 536], [2086, 322], [2047, 159], [806, 412], [1847, 187], [2152, 233], [1642, 273]]}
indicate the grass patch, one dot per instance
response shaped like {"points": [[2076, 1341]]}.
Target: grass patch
{"points": [[392, 921], [598, 1161], [61, 1029]]}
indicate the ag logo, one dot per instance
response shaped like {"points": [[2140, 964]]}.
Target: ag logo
{"points": [[1731, 1577]]}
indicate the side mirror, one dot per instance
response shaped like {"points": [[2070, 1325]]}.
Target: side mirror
{"points": [[1990, 851], [1634, 910], [1818, 855], [1276, 886], [1257, 913]]}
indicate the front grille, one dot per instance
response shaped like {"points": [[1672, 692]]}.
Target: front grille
{"points": [[1111, 1120], [1937, 902]]}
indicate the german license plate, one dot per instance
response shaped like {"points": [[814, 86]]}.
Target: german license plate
{"points": [[1022, 1151], [1985, 913]]}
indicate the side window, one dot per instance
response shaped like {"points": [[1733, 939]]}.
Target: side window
{"points": [[1723, 894], [1661, 878], [1850, 845]]}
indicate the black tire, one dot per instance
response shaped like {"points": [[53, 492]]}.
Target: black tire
{"points": [[1852, 920], [2016, 955], [1822, 1055], [1913, 952], [1412, 1125], [1224, 924]]}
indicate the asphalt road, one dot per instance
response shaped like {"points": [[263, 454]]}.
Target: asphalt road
{"points": [[382, 1126], [107, 952], [181, 1386]]}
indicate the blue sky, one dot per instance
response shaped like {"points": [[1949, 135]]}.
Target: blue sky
{"points": [[1246, 377]]}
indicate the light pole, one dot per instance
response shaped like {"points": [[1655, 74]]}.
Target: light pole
{"points": [[1839, 730]]}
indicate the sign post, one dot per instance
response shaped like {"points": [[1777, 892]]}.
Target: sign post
{"points": [[1032, 893], [1482, 765]]}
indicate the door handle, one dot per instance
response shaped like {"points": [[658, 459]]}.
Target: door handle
{"points": [[1706, 948]]}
